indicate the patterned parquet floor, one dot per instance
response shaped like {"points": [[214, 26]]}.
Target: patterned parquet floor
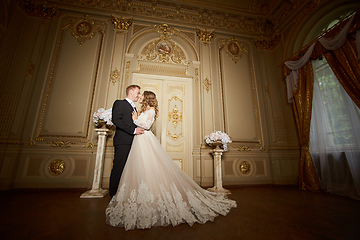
{"points": [[263, 212]]}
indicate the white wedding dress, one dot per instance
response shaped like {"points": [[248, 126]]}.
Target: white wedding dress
{"points": [[154, 191]]}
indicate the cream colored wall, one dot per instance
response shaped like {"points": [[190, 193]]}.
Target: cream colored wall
{"points": [[49, 109]]}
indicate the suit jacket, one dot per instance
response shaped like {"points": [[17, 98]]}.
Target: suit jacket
{"points": [[122, 118]]}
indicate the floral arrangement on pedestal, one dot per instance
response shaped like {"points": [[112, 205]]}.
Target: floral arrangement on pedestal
{"points": [[103, 117], [218, 136]]}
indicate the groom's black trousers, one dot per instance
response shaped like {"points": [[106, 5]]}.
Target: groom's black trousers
{"points": [[120, 156]]}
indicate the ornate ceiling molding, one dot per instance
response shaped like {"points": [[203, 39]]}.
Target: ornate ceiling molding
{"points": [[37, 10], [267, 43], [261, 17]]}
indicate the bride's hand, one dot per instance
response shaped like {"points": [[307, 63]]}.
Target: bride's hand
{"points": [[134, 115]]}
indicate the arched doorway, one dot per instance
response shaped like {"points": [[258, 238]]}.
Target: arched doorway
{"points": [[162, 61]]}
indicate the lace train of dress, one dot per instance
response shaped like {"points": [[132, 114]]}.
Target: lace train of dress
{"points": [[154, 191]]}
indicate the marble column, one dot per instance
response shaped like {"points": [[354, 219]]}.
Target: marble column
{"points": [[217, 153], [96, 191]]}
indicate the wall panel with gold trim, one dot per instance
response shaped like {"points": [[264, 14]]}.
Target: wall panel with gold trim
{"points": [[240, 103], [68, 100]]}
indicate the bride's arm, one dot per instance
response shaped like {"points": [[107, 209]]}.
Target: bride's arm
{"points": [[145, 121]]}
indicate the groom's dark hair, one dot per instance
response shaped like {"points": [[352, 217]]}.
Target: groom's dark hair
{"points": [[131, 87]]}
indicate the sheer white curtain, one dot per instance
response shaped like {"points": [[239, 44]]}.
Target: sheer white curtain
{"points": [[335, 134]]}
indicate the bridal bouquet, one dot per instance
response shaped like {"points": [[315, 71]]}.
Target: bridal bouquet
{"points": [[218, 136], [103, 115]]}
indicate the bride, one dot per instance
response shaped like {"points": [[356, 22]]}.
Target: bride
{"points": [[153, 190]]}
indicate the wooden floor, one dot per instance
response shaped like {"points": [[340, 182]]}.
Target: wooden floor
{"points": [[262, 213]]}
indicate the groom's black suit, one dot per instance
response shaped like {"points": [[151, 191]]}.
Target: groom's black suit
{"points": [[124, 135]]}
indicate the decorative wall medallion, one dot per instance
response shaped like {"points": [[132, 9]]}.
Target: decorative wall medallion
{"points": [[84, 29], [57, 167], [115, 76], [164, 47], [245, 167], [233, 48]]}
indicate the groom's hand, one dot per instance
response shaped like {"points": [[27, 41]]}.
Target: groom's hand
{"points": [[139, 131]]}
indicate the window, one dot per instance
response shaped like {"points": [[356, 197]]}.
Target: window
{"points": [[335, 99]]}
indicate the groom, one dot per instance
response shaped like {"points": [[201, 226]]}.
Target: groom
{"points": [[125, 131]]}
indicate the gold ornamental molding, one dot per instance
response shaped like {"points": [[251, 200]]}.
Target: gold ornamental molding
{"points": [[127, 71], [267, 43], [207, 84], [163, 49], [121, 23], [204, 36], [175, 117], [243, 148], [84, 29], [165, 30], [31, 69], [174, 136], [31, 143], [114, 76], [196, 75], [233, 48], [61, 144], [89, 145], [37, 10]]}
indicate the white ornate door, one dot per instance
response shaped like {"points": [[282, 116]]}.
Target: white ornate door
{"points": [[173, 127]]}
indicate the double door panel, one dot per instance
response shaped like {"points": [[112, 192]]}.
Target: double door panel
{"points": [[173, 126]]}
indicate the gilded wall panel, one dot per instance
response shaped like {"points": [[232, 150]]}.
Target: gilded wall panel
{"points": [[68, 100], [241, 120]]}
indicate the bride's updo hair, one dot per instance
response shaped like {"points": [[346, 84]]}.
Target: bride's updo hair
{"points": [[151, 101]]}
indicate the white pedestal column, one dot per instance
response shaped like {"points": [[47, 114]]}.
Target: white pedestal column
{"points": [[217, 153], [96, 191]]}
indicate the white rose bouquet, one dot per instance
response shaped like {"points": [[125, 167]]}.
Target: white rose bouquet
{"points": [[102, 114], [218, 136]]}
